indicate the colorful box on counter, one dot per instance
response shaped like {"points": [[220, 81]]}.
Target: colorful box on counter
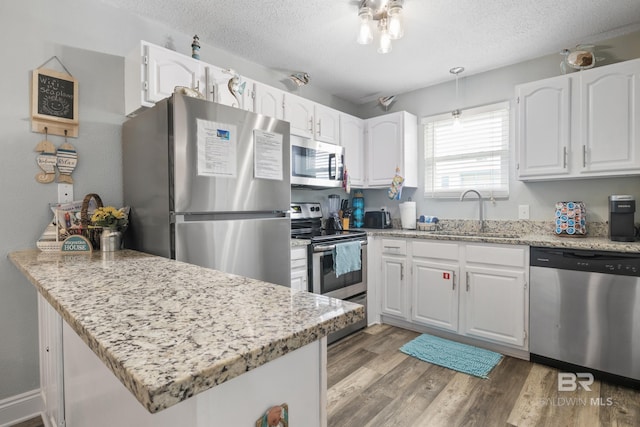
{"points": [[571, 219]]}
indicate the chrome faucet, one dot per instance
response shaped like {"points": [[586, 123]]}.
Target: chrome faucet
{"points": [[479, 208]]}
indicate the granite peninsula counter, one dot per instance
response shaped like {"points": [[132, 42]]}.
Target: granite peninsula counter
{"points": [[170, 330]]}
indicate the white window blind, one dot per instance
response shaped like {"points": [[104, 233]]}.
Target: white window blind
{"points": [[474, 155]]}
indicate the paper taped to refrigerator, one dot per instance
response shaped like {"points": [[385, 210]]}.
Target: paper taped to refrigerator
{"points": [[267, 155], [217, 149]]}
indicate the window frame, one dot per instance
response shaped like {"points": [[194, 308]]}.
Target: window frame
{"points": [[506, 157]]}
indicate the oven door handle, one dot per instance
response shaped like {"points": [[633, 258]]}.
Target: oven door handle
{"points": [[327, 248]]}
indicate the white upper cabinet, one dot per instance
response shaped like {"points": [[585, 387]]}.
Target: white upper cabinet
{"points": [[392, 142], [580, 125], [352, 139], [152, 73], [544, 115], [219, 90], [167, 69], [268, 101], [299, 112], [327, 124], [249, 95], [311, 120], [609, 119]]}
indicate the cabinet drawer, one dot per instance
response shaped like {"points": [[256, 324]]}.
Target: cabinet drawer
{"points": [[299, 252], [392, 246], [298, 263], [435, 250], [507, 257], [299, 258]]}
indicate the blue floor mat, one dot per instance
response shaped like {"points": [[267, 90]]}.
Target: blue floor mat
{"points": [[453, 355]]}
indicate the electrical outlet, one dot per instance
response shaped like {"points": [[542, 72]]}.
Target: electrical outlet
{"points": [[523, 211], [65, 193]]}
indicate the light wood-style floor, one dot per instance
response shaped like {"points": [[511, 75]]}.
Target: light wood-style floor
{"points": [[33, 422], [371, 383]]}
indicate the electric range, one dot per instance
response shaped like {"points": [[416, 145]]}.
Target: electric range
{"points": [[306, 223]]}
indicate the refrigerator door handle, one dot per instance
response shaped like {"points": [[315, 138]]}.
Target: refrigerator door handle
{"points": [[226, 216]]}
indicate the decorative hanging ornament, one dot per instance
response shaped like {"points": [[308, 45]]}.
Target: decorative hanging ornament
{"points": [[395, 189], [66, 162], [46, 161]]}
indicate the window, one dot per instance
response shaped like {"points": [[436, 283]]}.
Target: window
{"points": [[472, 155]]}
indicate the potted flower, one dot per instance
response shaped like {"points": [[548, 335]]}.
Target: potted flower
{"points": [[109, 217], [113, 222]]}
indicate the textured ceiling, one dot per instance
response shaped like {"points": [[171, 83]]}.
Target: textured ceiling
{"points": [[318, 36]]}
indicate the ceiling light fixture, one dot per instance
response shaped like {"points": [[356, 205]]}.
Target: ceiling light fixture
{"points": [[388, 13], [456, 113]]}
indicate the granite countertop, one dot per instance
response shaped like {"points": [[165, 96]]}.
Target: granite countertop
{"points": [[169, 330], [300, 242], [530, 239]]}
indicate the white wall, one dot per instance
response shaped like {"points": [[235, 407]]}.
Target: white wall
{"points": [[494, 86], [91, 39]]}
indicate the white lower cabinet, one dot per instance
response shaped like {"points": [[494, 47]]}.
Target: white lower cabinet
{"points": [[435, 295], [51, 380], [393, 295], [393, 285], [476, 290], [495, 305], [299, 280]]}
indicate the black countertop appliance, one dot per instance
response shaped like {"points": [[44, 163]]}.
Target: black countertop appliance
{"points": [[622, 209], [377, 219]]}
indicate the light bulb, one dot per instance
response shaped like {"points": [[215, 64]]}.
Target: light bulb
{"points": [[457, 123], [385, 39], [365, 36], [396, 30]]}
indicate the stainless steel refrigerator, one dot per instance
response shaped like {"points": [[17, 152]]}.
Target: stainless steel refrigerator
{"points": [[210, 185]]}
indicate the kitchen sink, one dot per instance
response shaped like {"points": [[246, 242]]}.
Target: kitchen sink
{"points": [[454, 233]]}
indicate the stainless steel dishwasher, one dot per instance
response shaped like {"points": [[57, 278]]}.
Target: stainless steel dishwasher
{"points": [[585, 311]]}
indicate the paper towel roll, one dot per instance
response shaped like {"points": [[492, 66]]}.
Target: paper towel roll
{"points": [[408, 215]]}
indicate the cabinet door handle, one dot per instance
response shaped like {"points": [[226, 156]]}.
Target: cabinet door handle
{"points": [[453, 287], [584, 156], [311, 125], [401, 271], [564, 157], [467, 281], [319, 126]]}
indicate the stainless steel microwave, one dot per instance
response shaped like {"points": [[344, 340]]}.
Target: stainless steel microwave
{"points": [[316, 164]]}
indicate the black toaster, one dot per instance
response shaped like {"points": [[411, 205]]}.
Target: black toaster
{"points": [[377, 219]]}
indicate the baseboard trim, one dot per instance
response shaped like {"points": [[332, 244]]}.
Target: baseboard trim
{"points": [[21, 407]]}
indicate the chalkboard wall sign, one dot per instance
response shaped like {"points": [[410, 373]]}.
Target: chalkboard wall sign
{"points": [[54, 103]]}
